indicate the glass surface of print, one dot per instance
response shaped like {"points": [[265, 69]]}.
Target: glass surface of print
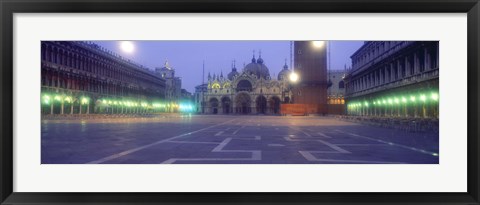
{"points": [[240, 102]]}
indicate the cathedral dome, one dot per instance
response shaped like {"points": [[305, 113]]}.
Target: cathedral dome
{"points": [[260, 60], [284, 72], [232, 74], [258, 69]]}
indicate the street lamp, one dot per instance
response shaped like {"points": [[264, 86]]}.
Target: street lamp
{"points": [[293, 77], [318, 44]]}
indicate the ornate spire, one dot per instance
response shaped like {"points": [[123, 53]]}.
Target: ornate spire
{"points": [[234, 68], [260, 60], [166, 63], [221, 73], [253, 59], [285, 67]]}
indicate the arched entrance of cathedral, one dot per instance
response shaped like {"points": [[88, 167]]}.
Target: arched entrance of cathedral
{"points": [[274, 105], [214, 105], [244, 85], [261, 105], [226, 105], [243, 103]]}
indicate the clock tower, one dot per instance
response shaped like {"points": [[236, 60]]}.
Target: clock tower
{"points": [[310, 64]]}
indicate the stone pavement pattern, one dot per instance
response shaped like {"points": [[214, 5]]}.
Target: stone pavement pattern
{"points": [[211, 139]]}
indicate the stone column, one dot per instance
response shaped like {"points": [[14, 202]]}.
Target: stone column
{"points": [[427, 59], [407, 67], [415, 63]]}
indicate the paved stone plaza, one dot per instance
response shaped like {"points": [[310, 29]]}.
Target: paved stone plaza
{"points": [[211, 139]]}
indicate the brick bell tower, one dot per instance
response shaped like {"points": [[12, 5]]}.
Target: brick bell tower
{"points": [[310, 64]]}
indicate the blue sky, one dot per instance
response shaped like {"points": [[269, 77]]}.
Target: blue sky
{"points": [[186, 57]]}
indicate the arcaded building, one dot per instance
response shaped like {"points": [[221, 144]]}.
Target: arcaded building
{"points": [[248, 91], [82, 78], [336, 87], [336, 92], [394, 79]]}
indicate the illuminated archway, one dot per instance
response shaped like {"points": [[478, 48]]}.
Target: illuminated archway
{"points": [[214, 105], [244, 85], [261, 103], [226, 105], [243, 103]]}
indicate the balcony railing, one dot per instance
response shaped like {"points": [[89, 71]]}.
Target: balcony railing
{"points": [[393, 50], [425, 76]]}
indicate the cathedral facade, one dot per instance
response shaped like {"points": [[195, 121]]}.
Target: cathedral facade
{"points": [[250, 91]]}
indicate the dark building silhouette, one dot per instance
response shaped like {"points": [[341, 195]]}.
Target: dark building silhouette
{"points": [[310, 63]]}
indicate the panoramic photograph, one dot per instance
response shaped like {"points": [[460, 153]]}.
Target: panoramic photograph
{"points": [[239, 102]]}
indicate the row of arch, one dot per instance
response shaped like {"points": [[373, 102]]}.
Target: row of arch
{"points": [[75, 55], [70, 81], [243, 104]]}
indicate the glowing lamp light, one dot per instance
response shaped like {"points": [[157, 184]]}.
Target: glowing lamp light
{"points": [[434, 96], [84, 100], [390, 101], [293, 77], [58, 98], [396, 101], [318, 44], [46, 99], [404, 100], [423, 98], [68, 99], [412, 98]]}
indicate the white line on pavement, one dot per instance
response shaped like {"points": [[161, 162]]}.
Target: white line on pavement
{"points": [[323, 135], [256, 154], [362, 144], [298, 129], [219, 133], [309, 156], [235, 132], [191, 142], [335, 147], [130, 151], [222, 145], [390, 143]]}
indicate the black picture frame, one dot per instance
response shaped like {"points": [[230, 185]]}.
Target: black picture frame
{"points": [[10, 7]]}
